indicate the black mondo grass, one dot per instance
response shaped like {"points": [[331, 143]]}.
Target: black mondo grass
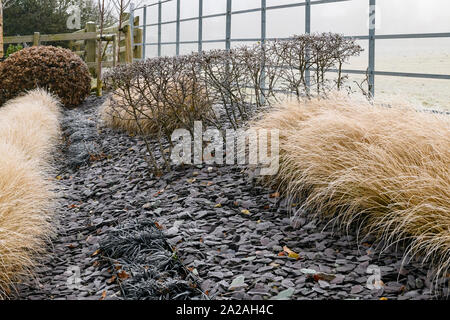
{"points": [[155, 272]]}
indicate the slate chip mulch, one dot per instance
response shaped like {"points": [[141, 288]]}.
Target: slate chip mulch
{"points": [[198, 232]]}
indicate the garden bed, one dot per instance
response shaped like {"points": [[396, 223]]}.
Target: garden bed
{"points": [[204, 232]]}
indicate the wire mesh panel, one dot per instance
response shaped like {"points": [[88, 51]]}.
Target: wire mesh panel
{"points": [[182, 26]]}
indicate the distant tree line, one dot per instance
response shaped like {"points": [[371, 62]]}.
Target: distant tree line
{"points": [[24, 17]]}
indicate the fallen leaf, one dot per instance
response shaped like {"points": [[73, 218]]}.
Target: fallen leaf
{"points": [[160, 227], [275, 265], [123, 275], [384, 298], [219, 205], [323, 276], [245, 211], [274, 195], [103, 295], [291, 254], [379, 284], [317, 276], [111, 280]]}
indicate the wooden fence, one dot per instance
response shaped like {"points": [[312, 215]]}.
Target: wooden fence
{"points": [[85, 43]]}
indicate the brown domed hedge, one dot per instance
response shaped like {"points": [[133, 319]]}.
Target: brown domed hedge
{"points": [[55, 69]]}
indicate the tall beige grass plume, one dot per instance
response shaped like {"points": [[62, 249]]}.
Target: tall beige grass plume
{"points": [[31, 122], [29, 131], [25, 212], [384, 167]]}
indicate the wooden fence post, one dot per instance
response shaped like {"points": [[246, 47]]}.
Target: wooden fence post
{"points": [[128, 49], [36, 39], [121, 41], [91, 46]]}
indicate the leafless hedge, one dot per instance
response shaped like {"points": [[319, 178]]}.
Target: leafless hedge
{"points": [[156, 96]]}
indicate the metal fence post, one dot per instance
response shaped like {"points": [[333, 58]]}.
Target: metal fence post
{"points": [[177, 50], [228, 27], [371, 69], [132, 30], [263, 21], [307, 31], [159, 27], [263, 47], [144, 36], [200, 25]]}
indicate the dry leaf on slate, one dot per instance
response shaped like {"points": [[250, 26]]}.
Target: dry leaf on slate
{"points": [[123, 275], [291, 254], [274, 195], [111, 280]]}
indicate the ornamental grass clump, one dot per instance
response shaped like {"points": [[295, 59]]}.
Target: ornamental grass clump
{"points": [[29, 130], [30, 122], [384, 169]]}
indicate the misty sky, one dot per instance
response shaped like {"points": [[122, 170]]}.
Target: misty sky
{"points": [[350, 18]]}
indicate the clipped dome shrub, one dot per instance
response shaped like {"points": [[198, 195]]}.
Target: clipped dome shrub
{"points": [[58, 70]]}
